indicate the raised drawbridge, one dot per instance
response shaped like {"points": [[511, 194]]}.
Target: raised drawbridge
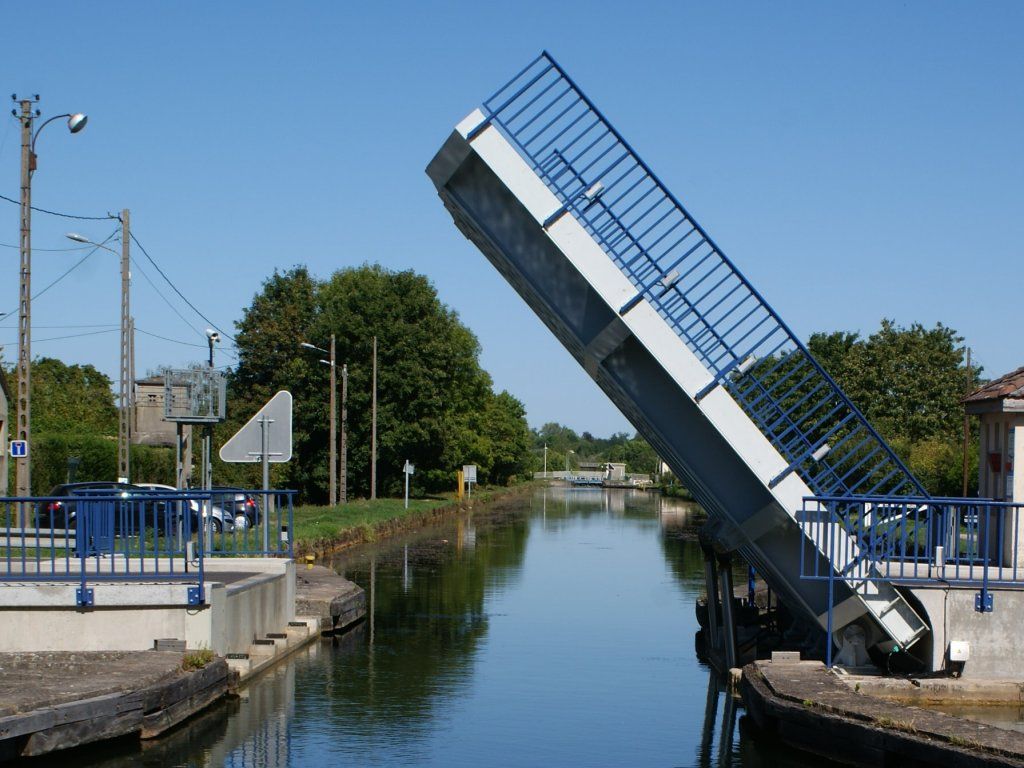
{"points": [[677, 337]]}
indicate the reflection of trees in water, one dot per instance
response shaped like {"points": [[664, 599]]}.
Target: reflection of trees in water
{"points": [[429, 618]]}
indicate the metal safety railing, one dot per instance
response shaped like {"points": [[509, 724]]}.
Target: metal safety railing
{"points": [[251, 522], [914, 541], [138, 535], [678, 269]]}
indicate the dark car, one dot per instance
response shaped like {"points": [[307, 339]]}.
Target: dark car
{"points": [[61, 506], [239, 503]]}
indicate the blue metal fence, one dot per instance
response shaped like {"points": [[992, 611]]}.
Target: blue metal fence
{"points": [[677, 268], [138, 535], [914, 541]]}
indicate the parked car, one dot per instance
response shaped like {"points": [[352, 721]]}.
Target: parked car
{"points": [[244, 505], [220, 519], [60, 510]]}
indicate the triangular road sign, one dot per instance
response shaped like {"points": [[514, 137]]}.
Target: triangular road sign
{"points": [[247, 443]]}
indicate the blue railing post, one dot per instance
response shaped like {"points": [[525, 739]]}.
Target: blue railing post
{"points": [[831, 586], [983, 600]]}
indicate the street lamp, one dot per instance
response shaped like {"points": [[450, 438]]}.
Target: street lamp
{"points": [[333, 495], [567, 461], [545, 461], [127, 341], [28, 115]]}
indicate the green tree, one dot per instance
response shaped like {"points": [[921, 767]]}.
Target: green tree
{"points": [[71, 399], [436, 407], [908, 382]]}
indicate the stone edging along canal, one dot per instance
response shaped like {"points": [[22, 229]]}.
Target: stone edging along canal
{"points": [[492, 498], [806, 706]]}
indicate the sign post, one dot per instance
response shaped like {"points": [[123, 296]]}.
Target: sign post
{"points": [[469, 474], [266, 438], [408, 469]]}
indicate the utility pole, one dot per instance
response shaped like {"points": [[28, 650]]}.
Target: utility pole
{"points": [[23, 426], [124, 412], [344, 427], [131, 380], [373, 428], [23, 430], [334, 431]]}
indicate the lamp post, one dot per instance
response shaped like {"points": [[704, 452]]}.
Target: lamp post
{"points": [[333, 494], [27, 117], [567, 462], [545, 461], [127, 344]]}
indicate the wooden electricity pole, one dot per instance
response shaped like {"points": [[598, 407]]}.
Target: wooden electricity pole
{"points": [[344, 427], [373, 428], [124, 408], [334, 431], [23, 400]]}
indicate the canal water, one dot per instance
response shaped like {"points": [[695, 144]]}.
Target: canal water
{"points": [[557, 631]]}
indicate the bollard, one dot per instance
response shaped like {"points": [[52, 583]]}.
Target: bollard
{"points": [[309, 562]]}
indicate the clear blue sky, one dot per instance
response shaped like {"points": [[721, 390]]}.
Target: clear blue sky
{"points": [[856, 160]]}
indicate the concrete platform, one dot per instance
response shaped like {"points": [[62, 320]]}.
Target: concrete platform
{"points": [[809, 708], [53, 701], [245, 599], [322, 593]]}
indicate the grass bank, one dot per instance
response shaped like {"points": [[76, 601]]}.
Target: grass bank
{"points": [[318, 530]]}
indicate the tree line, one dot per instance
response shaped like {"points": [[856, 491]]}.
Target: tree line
{"points": [[437, 407]]}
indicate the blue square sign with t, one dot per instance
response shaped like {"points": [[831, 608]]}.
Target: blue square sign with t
{"points": [[19, 449]]}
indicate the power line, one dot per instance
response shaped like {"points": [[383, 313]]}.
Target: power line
{"points": [[167, 338], [50, 250], [184, 343], [165, 299], [58, 213], [70, 336], [70, 269], [84, 325], [175, 288]]}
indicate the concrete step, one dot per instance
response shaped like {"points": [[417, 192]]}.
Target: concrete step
{"points": [[279, 639], [239, 662], [262, 648]]}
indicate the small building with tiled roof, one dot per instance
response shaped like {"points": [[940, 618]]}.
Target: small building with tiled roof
{"points": [[999, 406]]}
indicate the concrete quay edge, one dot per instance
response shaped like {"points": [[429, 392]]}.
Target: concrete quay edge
{"points": [[807, 707]]}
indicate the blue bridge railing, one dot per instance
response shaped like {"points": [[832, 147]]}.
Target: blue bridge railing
{"points": [[678, 269], [138, 535], [914, 540]]}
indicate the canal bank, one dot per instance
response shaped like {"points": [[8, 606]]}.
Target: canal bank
{"points": [[320, 531]]}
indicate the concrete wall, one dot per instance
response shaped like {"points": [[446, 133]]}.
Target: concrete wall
{"points": [[995, 638], [129, 617]]}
